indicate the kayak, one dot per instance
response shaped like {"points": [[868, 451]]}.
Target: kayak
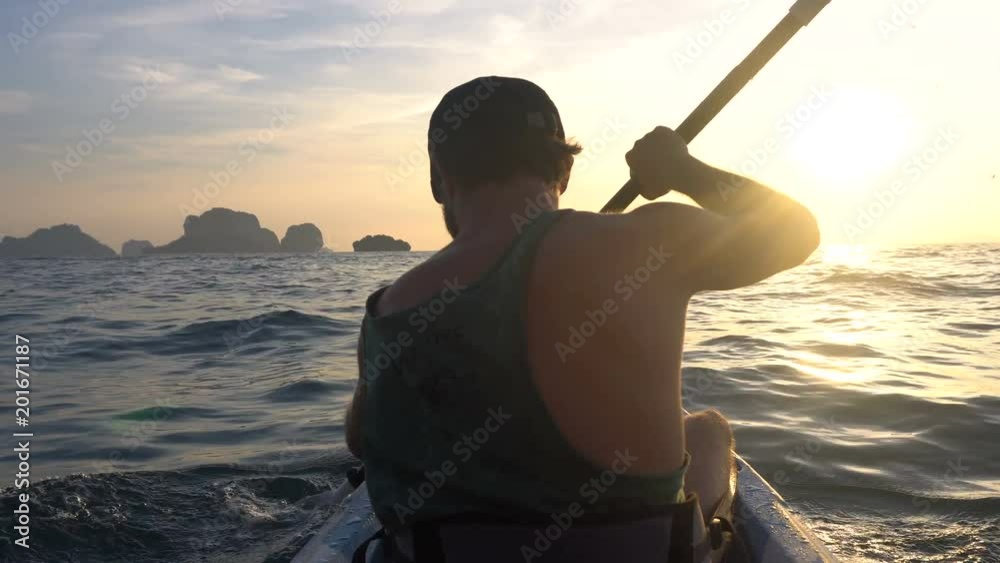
{"points": [[768, 529]]}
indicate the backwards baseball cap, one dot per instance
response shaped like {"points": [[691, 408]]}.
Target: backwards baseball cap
{"points": [[491, 115]]}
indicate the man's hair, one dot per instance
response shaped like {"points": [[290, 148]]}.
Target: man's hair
{"points": [[493, 129], [474, 165]]}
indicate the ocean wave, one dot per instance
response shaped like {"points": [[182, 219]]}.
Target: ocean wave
{"points": [[898, 282], [211, 437], [304, 390], [922, 287], [741, 341], [903, 500], [237, 334], [227, 512], [223, 337], [843, 350], [975, 326], [910, 412], [10, 317], [168, 411], [287, 318]]}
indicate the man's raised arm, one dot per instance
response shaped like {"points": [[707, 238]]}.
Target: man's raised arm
{"points": [[746, 232]]}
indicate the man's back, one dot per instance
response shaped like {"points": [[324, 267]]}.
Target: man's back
{"points": [[604, 354], [446, 345], [605, 332]]}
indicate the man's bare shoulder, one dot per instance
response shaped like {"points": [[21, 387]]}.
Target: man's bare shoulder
{"points": [[453, 264], [587, 243], [665, 218]]}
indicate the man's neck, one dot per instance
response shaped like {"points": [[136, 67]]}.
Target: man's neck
{"points": [[496, 210]]}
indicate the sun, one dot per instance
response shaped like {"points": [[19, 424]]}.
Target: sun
{"points": [[857, 136]]}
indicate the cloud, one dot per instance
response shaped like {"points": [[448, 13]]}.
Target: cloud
{"points": [[424, 7], [342, 37], [181, 82], [168, 14], [195, 11], [73, 40], [263, 9], [35, 148], [233, 74], [14, 102]]}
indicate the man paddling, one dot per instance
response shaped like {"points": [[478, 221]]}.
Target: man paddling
{"points": [[540, 351]]}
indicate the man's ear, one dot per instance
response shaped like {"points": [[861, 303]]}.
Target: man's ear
{"points": [[564, 183], [437, 187]]}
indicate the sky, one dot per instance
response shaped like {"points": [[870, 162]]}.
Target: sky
{"points": [[124, 116]]}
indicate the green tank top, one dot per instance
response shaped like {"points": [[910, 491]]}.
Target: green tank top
{"points": [[453, 422]]}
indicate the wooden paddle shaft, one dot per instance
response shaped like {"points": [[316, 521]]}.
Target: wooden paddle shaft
{"points": [[803, 12]]}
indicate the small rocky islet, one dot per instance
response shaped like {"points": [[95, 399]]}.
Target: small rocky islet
{"points": [[381, 243]]}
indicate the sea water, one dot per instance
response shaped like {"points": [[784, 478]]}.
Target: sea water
{"points": [[183, 406]]}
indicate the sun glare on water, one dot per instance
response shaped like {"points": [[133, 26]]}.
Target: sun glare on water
{"points": [[816, 366], [853, 255]]}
